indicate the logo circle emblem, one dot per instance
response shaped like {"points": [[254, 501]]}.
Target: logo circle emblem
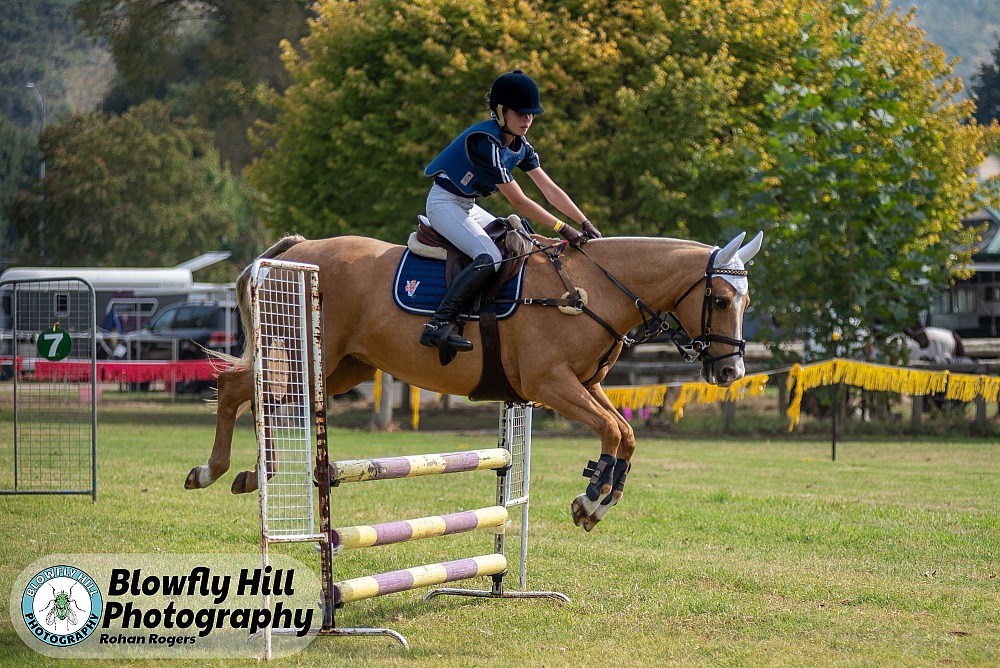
{"points": [[61, 605]]}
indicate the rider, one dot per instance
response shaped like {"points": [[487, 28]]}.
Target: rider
{"points": [[477, 164]]}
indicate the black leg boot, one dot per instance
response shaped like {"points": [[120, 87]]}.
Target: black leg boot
{"points": [[439, 332]]}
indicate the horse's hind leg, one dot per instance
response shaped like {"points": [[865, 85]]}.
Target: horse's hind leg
{"points": [[348, 373], [235, 389]]}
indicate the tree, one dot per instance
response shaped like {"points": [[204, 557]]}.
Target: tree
{"points": [[141, 189], [17, 165], [861, 184], [208, 58], [38, 44], [657, 115], [986, 89]]}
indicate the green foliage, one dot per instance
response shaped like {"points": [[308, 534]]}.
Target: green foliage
{"points": [[18, 159], [861, 184], [642, 105], [141, 189], [38, 43]]}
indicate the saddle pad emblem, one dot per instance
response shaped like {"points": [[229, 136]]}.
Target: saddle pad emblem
{"points": [[415, 271]]}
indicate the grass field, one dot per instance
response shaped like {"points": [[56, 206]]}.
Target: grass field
{"points": [[724, 552]]}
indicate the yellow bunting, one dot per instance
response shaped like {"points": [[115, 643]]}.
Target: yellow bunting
{"points": [[875, 377], [703, 393], [802, 378], [637, 397]]}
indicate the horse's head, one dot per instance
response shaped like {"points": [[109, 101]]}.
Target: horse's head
{"points": [[714, 323]]}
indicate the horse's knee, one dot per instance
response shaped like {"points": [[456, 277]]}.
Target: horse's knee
{"points": [[611, 436]]}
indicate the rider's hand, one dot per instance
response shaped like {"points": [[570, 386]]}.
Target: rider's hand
{"points": [[590, 231], [571, 235]]}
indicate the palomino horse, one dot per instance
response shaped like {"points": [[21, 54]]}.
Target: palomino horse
{"points": [[671, 286]]}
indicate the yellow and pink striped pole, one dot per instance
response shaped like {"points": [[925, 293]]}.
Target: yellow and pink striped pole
{"points": [[412, 466], [349, 538], [370, 586]]}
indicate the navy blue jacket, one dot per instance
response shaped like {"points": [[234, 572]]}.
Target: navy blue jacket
{"points": [[472, 180]]}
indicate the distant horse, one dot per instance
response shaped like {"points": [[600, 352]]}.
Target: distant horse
{"points": [[670, 286], [935, 344]]}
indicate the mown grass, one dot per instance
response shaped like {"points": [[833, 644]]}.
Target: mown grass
{"points": [[724, 552]]}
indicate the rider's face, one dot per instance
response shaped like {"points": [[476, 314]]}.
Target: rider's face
{"points": [[517, 123]]}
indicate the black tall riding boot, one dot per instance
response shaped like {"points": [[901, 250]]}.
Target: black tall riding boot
{"points": [[439, 332]]}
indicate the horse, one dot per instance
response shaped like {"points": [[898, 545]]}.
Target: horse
{"points": [[669, 286]]}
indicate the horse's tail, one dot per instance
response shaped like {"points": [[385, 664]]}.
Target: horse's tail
{"points": [[243, 304]]}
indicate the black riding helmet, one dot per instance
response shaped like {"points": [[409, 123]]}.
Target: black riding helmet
{"points": [[515, 90]]}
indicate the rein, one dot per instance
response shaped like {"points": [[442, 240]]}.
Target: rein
{"points": [[654, 323]]}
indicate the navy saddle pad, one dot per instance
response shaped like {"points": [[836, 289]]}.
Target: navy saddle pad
{"points": [[419, 288]]}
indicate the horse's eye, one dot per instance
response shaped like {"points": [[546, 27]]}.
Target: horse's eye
{"points": [[721, 303]]}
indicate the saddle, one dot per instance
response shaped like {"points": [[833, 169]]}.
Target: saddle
{"points": [[509, 234], [511, 237]]}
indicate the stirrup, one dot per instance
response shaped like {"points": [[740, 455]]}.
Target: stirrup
{"points": [[441, 335]]}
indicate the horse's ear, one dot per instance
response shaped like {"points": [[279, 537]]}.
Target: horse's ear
{"points": [[747, 252], [727, 254]]}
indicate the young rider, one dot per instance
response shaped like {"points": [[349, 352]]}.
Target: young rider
{"points": [[477, 164]]}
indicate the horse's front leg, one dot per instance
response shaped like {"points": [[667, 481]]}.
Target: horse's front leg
{"points": [[235, 389], [563, 392], [585, 511]]}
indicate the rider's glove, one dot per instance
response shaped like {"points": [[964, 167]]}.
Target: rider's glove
{"points": [[570, 234], [590, 231]]}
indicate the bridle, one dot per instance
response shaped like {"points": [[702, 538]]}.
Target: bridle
{"points": [[654, 323]]}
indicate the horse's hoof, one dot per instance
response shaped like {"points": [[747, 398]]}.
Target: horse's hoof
{"points": [[240, 483], [581, 511], [191, 482]]}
